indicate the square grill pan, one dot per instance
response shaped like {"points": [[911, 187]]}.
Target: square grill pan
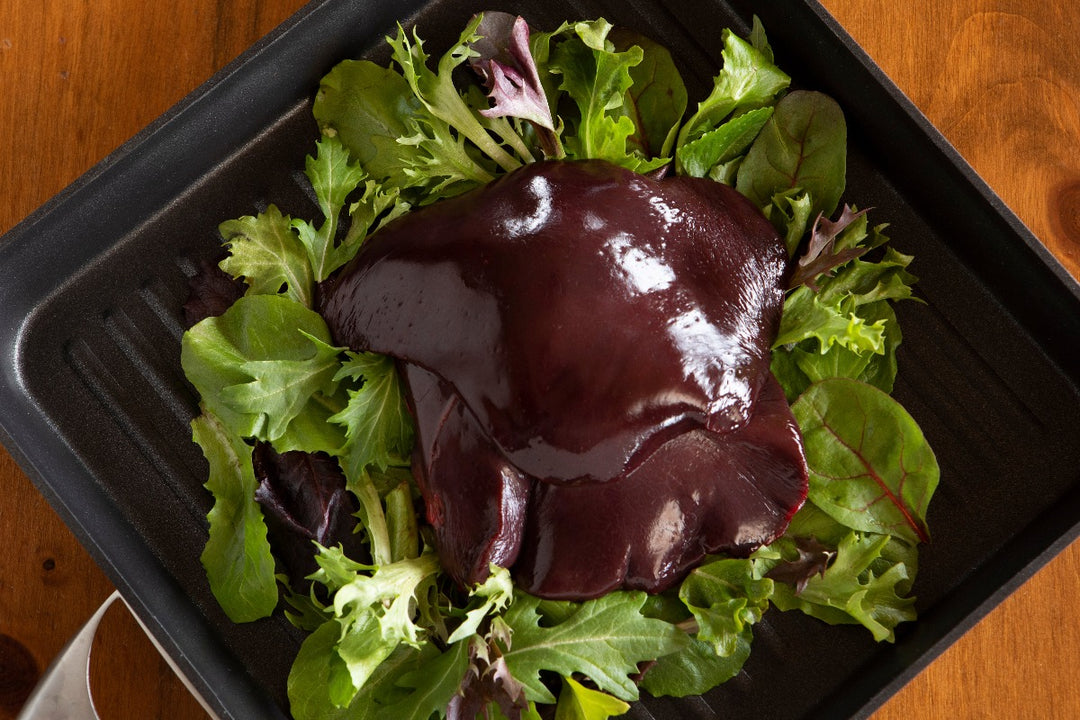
{"points": [[94, 406]]}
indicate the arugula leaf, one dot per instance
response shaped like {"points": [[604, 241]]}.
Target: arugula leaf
{"points": [[265, 368], [870, 465], [577, 702], [804, 146], [378, 426], [237, 558], [268, 255], [603, 639]]}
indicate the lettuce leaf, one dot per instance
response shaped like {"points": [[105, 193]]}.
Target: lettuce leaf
{"points": [[266, 369], [237, 557]]}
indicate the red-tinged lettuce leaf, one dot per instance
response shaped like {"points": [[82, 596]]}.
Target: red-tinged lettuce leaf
{"points": [[211, 291], [508, 70], [822, 256], [303, 498], [803, 145], [487, 682], [870, 465], [812, 558]]}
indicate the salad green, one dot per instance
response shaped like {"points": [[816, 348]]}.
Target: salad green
{"points": [[389, 637]]}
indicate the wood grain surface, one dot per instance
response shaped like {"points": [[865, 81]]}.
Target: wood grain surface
{"points": [[1000, 78]]}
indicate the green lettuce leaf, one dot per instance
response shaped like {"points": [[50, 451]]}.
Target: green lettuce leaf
{"points": [[378, 426], [333, 177], [265, 368], [747, 79], [723, 143], [725, 598], [268, 255], [577, 702], [597, 78], [374, 608], [237, 558], [858, 587]]}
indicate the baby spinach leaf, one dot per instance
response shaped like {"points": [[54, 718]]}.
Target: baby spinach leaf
{"points": [[804, 146], [697, 668], [237, 557], [367, 107], [871, 468]]}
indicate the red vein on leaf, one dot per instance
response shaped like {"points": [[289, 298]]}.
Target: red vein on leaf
{"points": [[896, 501]]}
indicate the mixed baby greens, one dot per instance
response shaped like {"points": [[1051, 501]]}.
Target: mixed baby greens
{"points": [[306, 440]]}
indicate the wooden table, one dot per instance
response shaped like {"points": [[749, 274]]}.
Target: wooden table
{"points": [[1001, 78]]}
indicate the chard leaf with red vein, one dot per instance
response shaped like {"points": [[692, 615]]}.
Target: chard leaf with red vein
{"points": [[803, 145], [656, 100], [870, 466]]}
